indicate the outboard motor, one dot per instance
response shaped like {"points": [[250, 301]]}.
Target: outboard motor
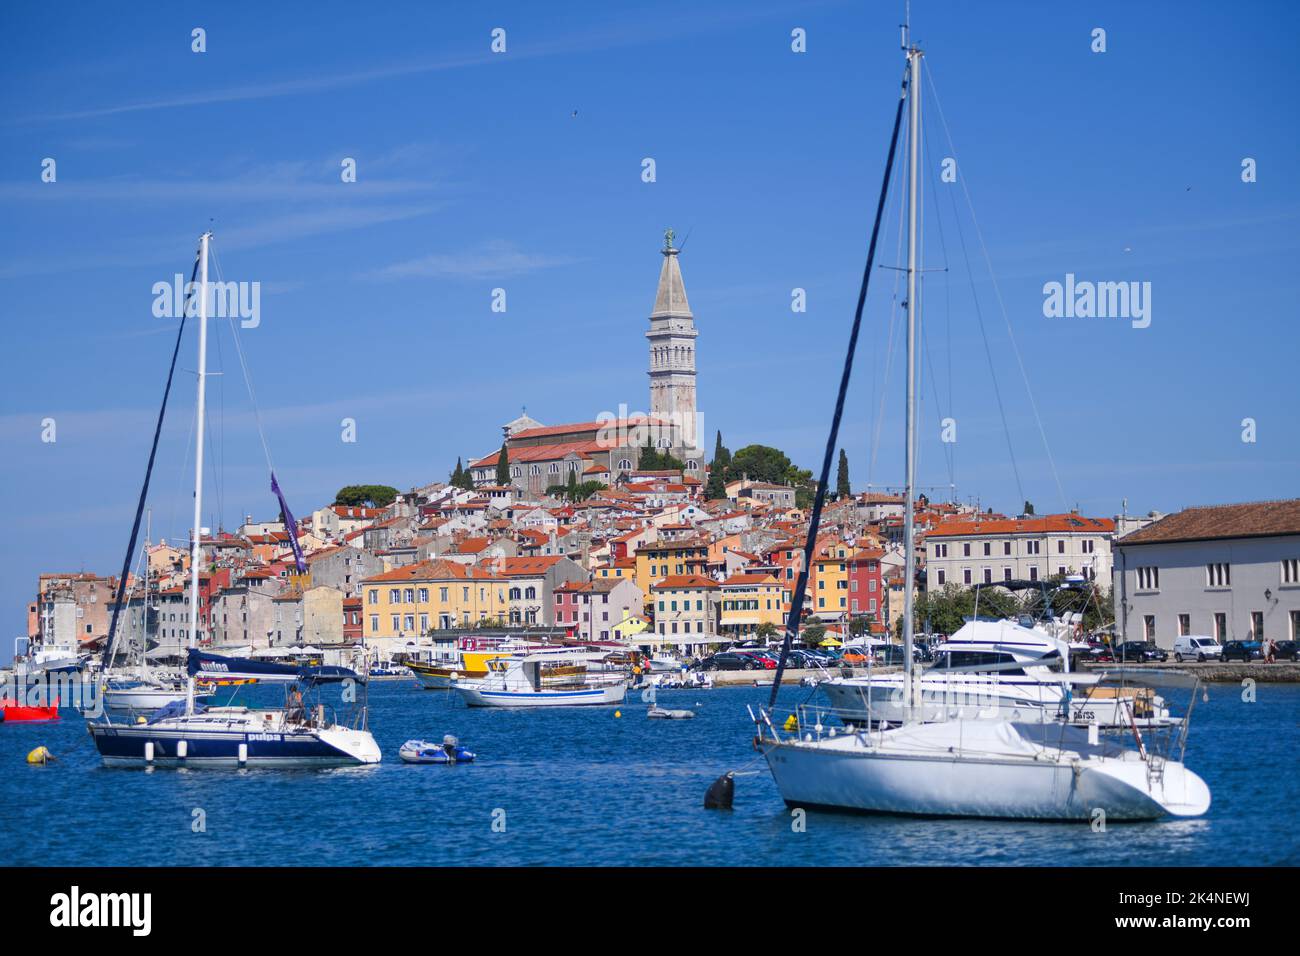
{"points": [[449, 745]]}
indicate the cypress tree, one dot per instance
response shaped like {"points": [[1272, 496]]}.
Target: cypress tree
{"points": [[503, 467], [842, 487], [717, 484]]}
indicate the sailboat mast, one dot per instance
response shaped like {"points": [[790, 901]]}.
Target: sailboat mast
{"points": [[197, 533], [909, 546]]}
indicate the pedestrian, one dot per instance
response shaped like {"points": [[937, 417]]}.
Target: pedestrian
{"points": [[1270, 650]]}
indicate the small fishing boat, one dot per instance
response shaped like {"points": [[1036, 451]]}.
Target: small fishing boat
{"points": [[556, 679], [448, 752], [11, 713], [441, 675]]}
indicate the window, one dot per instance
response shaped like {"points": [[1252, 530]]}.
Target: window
{"points": [[940, 551], [1295, 625], [395, 619], [1149, 626], [941, 577], [409, 596], [1218, 576], [424, 595], [965, 549], [442, 595], [1291, 571], [1148, 579], [1088, 545], [988, 548], [1006, 574], [965, 575], [374, 624], [1256, 625], [373, 596], [1032, 547], [1033, 573], [1220, 626], [988, 575], [1060, 546], [1184, 625], [1006, 547]]}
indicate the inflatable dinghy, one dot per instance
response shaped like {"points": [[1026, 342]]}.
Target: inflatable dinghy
{"points": [[447, 752], [666, 714]]}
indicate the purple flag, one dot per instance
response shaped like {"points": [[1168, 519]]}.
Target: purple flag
{"points": [[290, 525]]}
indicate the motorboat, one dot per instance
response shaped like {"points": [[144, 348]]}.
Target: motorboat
{"points": [[556, 679], [999, 669]]}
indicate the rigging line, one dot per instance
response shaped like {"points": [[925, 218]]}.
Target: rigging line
{"points": [[997, 291], [144, 489], [796, 605], [988, 351], [891, 340], [950, 450], [248, 383]]}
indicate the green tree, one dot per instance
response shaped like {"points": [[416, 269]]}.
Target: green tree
{"points": [[1029, 508], [571, 486], [461, 478], [762, 463], [503, 467], [813, 634], [766, 631], [842, 487], [374, 496], [717, 483]]}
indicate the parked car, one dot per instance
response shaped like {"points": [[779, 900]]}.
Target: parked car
{"points": [[1196, 647], [887, 654], [1140, 651], [729, 661], [1099, 652], [1244, 651], [1287, 651], [763, 660]]}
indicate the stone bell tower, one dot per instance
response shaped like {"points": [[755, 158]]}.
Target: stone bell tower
{"points": [[672, 337]]}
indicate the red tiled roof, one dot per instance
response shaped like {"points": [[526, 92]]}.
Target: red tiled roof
{"points": [[1249, 520], [1045, 524], [677, 582]]}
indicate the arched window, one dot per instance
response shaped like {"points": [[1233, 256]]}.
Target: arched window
{"points": [[514, 594], [553, 468], [530, 594], [624, 464], [573, 466], [692, 465], [534, 469], [516, 471]]}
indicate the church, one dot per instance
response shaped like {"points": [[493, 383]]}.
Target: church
{"points": [[610, 446]]}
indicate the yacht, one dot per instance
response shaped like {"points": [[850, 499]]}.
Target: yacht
{"points": [[999, 669], [185, 732], [960, 766]]}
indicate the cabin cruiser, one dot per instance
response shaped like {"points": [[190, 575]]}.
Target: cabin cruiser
{"points": [[999, 670], [545, 679]]}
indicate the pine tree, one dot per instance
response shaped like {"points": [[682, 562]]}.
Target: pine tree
{"points": [[649, 460], [503, 467], [842, 487], [457, 478]]}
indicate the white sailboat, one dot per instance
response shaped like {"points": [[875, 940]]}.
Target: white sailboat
{"points": [[189, 734], [966, 767]]}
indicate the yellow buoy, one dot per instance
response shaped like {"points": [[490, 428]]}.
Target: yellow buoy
{"points": [[141, 719], [40, 755], [618, 713], [791, 723]]}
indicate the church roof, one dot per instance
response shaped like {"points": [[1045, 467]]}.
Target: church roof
{"points": [[670, 300]]}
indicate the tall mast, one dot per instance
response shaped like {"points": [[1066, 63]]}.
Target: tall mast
{"points": [[197, 533], [909, 546]]}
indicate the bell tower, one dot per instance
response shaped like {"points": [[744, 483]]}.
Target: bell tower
{"points": [[672, 337]]}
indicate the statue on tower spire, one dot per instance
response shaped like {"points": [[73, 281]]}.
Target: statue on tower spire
{"points": [[668, 239]]}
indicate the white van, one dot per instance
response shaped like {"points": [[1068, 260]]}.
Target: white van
{"points": [[1198, 647]]}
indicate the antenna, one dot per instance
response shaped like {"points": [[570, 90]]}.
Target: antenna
{"points": [[906, 25], [688, 236]]}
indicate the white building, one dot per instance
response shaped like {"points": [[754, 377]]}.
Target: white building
{"points": [[1231, 572], [981, 550]]}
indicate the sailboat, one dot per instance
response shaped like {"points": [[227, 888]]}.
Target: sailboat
{"points": [[187, 733], [961, 767]]}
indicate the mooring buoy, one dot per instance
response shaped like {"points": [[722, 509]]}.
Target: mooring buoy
{"points": [[721, 792]]}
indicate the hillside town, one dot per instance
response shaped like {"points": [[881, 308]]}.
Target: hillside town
{"points": [[618, 530]]}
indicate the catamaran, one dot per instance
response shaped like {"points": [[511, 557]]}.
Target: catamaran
{"points": [[185, 732], [963, 766]]}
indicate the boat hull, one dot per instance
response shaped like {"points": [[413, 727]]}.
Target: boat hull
{"points": [[129, 746], [862, 780], [588, 696]]}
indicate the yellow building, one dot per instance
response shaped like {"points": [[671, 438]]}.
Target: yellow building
{"points": [[616, 570], [830, 581], [751, 600], [411, 600], [662, 559], [629, 627]]}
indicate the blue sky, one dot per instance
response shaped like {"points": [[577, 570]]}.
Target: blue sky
{"points": [[474, 172]]}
